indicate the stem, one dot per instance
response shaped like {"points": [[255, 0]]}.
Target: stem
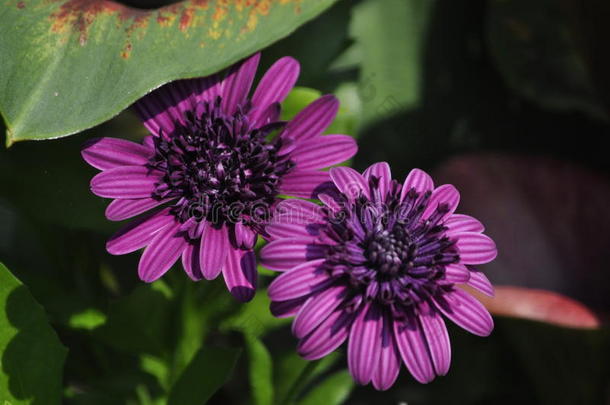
{"points": [[300, 381]]}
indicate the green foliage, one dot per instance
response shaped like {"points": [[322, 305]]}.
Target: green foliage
{"points": [[32, 356], [333, 390], [261, 371]]}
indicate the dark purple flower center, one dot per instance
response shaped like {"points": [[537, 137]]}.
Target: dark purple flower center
{"points": [[219, 167], [388, 252]]}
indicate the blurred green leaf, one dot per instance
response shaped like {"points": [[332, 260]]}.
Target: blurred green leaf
{"points": [[254, 318], [333, 390], [32, 355], [260, 370], [205, 374], [88, 319], [69, 65]]}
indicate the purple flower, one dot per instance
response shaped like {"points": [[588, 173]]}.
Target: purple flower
{"points": [[212, 171], [377, 265]]}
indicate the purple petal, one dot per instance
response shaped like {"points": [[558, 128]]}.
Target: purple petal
{"points": [[458, 223], [480, 282], [283, 254], [286, 309], [119, 210], [138, 233], [476, 248], [381, 171], [125, 182], [445, 194], [324, 151], [412, 346], [313, 119], [213, 250], [275, 85], [245, 237], [161, 254], [106, 153], [465, 311], [284, 230], [207, 89], [300, 281], [268, 115], [326, 337], [161, 109], [240, 274], [364, 346], [316, 310], [190, 261], [389, 359], [437, 337], [305, 183], [236, 85], [456, 273], [349, 182], [419, 180], [300, 212]]}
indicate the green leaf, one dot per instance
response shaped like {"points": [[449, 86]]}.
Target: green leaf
{"points": [[261, 371], [254, 318], [334, 390], [69, 65], [88, 319], [32, 355], [205, 374]]}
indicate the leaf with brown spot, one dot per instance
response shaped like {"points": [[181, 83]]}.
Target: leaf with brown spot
{"points": [[71, 64]]}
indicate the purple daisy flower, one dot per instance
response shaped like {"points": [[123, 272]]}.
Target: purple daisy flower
{"points": [[377, 265], [212, 171]]}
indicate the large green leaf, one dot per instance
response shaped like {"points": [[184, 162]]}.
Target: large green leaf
{"points": [[334, 390], [32, 356], [69, 65], [261, 371]]}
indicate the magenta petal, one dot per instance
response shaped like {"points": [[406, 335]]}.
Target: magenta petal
{"points": [[275, 85], [207, 89], [364, 346], [125, 182], [119, 210], [281, 230], [139, 233], [237, 83], [106, 153], [462, 223], [445, 194], [190, 261], [161, 253], [381, 171], [349, 182], [456, 273], [300, 212], [317, 309], [304, 183], [480, 282], [389, 359], [324, 151], [286, 309], [419, 180], [438, 340], [240, 274], [326, 337], [162, 108], [283, 254], [268, 115], [213, 250], [299, 281], [465, 311], [411, 343], [476, 248], [245, 237], [313, 119]]}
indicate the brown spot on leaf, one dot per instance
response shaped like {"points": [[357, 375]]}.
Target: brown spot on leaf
{"points": [[20, 4]]}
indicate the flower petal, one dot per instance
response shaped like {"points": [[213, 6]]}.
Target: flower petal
{"points": [[293, 211], [245, 237], [240, 274], [299, 281], [419, 180], [106, 153], [236, 85], [349, 182], [445, 194], [190, 261], [480, 282], [381, 171], [161, 254], [213, 250], [412, 346], [275, 85], [305, 183], [389, 359], [324, 151], [317, 308], [364, 346], [121, 209], [456, 273], [327, 336], [465, 311], [313, 119], [125, 182], [283, 254], [437, 337], [286, 309], [476, 248], [161, 109], [458, 223], [138, 233]]}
